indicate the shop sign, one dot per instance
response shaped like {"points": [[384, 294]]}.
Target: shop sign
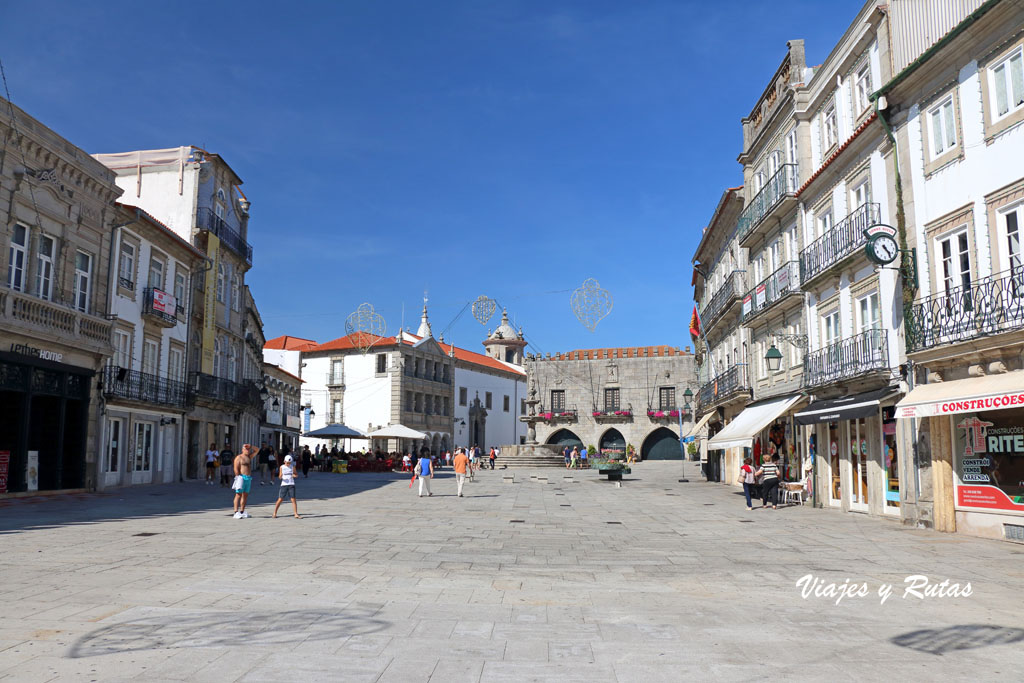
{"points": [[5, 468], [997, 402], [990, 461], [164, 302], [42, 354]]}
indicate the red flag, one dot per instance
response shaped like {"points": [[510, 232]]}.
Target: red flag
{"points": [[695, 325]]}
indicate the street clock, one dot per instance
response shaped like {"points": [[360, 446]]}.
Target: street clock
{"points": [[881, 248]]}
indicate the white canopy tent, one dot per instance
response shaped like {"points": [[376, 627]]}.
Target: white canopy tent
{"points": [[748, 424], [396, 432]]}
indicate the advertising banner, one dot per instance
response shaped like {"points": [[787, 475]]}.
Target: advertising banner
{"points": [[746, 305], [210, 299], [164, 302], [759, 295], [32, 471], [989, 452]]}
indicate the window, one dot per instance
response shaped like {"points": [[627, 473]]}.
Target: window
{"points": [[868, 313], [943, 127], [150, 356], [611, 399], [126, 266], [382, 362], [418, 403], [337, 372], [218, 349], [666, 398], [447, 407], [143, 446], [83, 280], [16, 260], [505, 404], [462, 396], [236, 292], [774, 256], [122, 349], [825, 222], [179, 290], [522, 406], [830, 126], [156, 274], [220, 282], [408, 401], [487, 400], [175, 364], [44, 268], [830, 329], [1014, 257], [758, 181], [115, 428], [557, 400], [860, 195], [955, 266], [862, 88], [218, 208], [762, 369], [1007, 80], [336, 411], [232, 362]]}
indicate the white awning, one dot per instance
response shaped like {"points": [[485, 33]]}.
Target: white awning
{"points": [[397, 432], [695, 430], [748, 424], [991, 392]]}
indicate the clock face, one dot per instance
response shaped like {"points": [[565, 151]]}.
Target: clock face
{"points": [[884, 249]]}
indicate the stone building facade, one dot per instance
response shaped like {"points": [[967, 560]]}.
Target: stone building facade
{"points": [[615, 398]]}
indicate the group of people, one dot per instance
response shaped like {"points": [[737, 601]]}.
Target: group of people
{"points": [[447, 458], [464, 463], [768, 475], [236, 471], [575, 457]]}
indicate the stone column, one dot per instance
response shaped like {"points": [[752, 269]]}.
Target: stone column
{"points": [[942, 474]]}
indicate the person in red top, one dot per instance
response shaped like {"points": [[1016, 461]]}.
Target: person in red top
{"points": [[747, 476]]}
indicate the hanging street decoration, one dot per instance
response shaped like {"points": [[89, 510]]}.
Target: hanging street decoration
{"points": [[590, 303], [483, 309], [365, 327]]}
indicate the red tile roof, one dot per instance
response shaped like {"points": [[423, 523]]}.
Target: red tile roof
{"points": [[839, 150], [621, 352], [286, 343], [282, 370]]}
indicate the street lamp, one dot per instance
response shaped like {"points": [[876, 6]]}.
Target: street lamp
{"points": [[687, 397], [276, 404], [773, 358]]}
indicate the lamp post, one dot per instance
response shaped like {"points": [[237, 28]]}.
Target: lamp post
{"points": [[687, 397]]}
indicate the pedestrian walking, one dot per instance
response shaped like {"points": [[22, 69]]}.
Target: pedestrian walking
{"points": [[243, 480], [574, 458], [307, 462], [492, 456], [583, 458], [227, 460], [747, 479], [211, 463], [460, 464], [272, 463], [263, 457], [769, 473], [567, 452], [287, 476], [425, 472]]}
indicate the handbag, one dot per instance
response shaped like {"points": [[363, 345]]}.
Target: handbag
{"points": [[742, 479], [417, 470]]}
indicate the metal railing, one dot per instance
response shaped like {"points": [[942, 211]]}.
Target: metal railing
{"points": [[220, 389], [335, 379], [784, 182], [841, 241], [148, 307], [206, 219], [133, 385], [730, 291], [862, 354], [784, 281], [724, 385], [989, 306]]}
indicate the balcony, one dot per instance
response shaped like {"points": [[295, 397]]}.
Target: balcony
{"points": [[336, 379], [219, 389], [992, 305], [159, 307], [206, 219], [782, 283], [777, 196], [863, 354], [132, 385], [721, 300], [560, 415], [613, 414], [842, 241], [37, 317], [728, 384], [667, 413]]}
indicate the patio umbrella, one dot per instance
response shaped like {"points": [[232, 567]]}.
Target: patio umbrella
{"points": [[336, 431], [396, 432]]}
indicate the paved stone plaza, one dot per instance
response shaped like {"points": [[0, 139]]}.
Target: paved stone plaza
{"points": [[375, 584]]}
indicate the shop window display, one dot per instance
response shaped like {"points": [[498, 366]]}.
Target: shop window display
{"points": [[890, 458], [990, 460]]}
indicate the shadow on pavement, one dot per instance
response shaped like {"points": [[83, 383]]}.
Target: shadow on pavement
{"points": [[169, 629], [179, 498], [960, 637]]}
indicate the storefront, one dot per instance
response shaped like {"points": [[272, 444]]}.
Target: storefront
{"points": [[45, 407], [977, 427], [852, 443], [759, 432]]}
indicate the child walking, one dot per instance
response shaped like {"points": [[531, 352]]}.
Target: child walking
{"points": [[287, 476]]}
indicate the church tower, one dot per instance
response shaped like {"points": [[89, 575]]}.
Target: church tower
{"points": [[505, 343]]}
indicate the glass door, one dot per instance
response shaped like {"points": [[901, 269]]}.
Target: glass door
{"points": [[859, 464], [835, 491], [143, 453], [891, 462]]}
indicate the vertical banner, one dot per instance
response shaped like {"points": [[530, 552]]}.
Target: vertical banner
{"points": [[210, 298], [32, 471]]}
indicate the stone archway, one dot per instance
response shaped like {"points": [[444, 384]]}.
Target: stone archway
{"points": [[661, 444], [612, 443], [565, 437]]}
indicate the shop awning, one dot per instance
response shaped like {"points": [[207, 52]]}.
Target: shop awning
{"points": [[850, 407], [992, 392], [749, 423], [701, 423]]}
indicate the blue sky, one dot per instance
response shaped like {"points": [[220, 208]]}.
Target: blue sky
{"points": [[481, 147]]}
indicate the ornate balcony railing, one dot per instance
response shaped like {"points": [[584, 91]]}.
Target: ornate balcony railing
{"points": [[729, 292], [206, 219], [38, 315], [567, 414], [989, 306], [781, 283], [725, 385], [785, 182], [841, 241], [862, 354], [621, 414], [220, 389], [161, 310], [133, 385]]}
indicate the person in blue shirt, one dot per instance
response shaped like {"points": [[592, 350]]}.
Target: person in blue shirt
{"points": [[426, 473]]}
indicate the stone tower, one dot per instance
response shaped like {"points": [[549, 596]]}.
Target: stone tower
{"points": [[505, 343]]}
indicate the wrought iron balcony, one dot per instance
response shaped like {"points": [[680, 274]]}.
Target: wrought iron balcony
{"points": [[989, 306], [206, 219], [156, 305], [780, 186], [132, 385], [728, 384], [862, 354], [725, 296], [771, 290], [843, 240], [219, 389]]}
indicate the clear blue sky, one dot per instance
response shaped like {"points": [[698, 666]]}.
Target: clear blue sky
{"points": [[496, 147]]}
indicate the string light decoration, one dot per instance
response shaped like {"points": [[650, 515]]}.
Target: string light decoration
{"points": [[365, 327], [483, 308], [590, 303]]}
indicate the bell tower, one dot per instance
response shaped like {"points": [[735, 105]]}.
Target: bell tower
{"points": [[505, 343]]}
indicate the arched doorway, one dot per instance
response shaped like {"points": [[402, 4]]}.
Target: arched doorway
{"points": [[565, 437], [661, 444], [612, 443], [435, 446]]}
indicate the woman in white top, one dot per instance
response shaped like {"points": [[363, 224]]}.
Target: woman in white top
{"points": [[287, 475], [211, 463]]}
